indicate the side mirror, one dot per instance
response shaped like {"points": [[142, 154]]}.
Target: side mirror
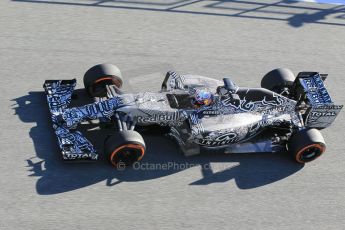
{"points": [[229, 85]]}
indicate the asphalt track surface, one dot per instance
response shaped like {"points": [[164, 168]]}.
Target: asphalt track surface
{"points": [[241, 39]]}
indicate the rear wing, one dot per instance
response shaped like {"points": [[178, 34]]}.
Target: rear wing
{"points": [[309, 86]]}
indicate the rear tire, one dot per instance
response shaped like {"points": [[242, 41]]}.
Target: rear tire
{"points": [[124, 148], [277, 79], [307, 145], [98, 76]]}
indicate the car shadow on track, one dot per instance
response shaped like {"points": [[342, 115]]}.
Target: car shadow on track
{"points": [[162, 158]]}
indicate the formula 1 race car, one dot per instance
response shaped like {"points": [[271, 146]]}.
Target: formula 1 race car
{"points": [[199, 113]]}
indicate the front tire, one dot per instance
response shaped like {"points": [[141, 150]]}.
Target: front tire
{"points": [[307, 145], [124, 148], [99, 76]]}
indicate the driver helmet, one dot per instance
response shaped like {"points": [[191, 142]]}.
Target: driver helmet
{"points": [[202, 98]]}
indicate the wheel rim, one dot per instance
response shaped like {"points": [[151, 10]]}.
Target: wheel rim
{"points": [[112, 79], [99, 88], [127, 154], [309, 153]]}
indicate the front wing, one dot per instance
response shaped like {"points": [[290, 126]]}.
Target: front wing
{"points": [[72, 143]]}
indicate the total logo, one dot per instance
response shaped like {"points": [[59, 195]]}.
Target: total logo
{"points": [[323, 114], [76, 156]]}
